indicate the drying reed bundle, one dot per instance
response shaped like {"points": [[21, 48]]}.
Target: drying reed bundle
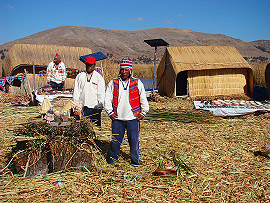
{"points": [[42, 55], [179, 115], [43, 149], [259, 73]]}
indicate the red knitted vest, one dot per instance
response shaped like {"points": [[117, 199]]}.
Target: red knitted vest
{"points": [[134, 96]]}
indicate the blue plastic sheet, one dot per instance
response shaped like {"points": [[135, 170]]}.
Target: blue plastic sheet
{"points": [[98, 56]]}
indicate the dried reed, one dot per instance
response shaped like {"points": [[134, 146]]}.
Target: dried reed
{"points": [[42, 55], [221, 152], [259, 73], [211, 70]]}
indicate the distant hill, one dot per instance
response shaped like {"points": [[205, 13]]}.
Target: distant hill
{"points": [[263, 45], [118, 43]]}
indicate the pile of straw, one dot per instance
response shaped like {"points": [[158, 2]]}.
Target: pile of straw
{"points": [[42, 149], [223, 97], [6, 98], [221, 152]]}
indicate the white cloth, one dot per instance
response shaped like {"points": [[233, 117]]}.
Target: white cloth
{"points": [[224, 112], [56, 73], [124, 110], [90, 94], [40, 98]]}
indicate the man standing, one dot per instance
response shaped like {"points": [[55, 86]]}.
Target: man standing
{"points": [[126, 104], [57, 75], [89, 91]]}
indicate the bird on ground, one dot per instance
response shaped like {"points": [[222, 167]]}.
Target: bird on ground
{"points": [[265, 151]]}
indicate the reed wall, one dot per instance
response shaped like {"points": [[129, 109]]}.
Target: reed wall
{"points": [[217, 82]]}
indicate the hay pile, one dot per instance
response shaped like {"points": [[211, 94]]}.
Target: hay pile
{"points": [[222, 97], [42, 148], [7, 98], [219, 150], [154, 96]]}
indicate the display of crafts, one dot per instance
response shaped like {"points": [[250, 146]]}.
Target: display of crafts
{"points": [[235, 104], [72, 72], [47, 90]]}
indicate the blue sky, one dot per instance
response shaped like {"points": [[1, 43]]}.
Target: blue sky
{"points": [[247, 20]]}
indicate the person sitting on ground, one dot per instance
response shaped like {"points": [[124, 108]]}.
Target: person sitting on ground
{"points": [[57, 75]]}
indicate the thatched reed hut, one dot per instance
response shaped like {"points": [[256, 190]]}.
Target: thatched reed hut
{"points": [[22, 56], [203, 71]]}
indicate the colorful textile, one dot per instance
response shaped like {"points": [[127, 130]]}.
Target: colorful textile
{"points": [[134, 97], [125, 63], [21, 78], [115, 94], [2, 82], [43, 74]]}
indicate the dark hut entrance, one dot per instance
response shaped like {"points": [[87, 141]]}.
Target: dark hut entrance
{"points": [[181, 83], [28, 68]]}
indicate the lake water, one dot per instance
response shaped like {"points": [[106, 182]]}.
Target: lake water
{"points": [[148, 83]]}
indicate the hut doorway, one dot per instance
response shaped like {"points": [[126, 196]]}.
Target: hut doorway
{"points": [[181, 83]]}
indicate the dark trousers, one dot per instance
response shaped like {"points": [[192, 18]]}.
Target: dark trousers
{"points": [[118, 131], [56, 86], [93, 114]]}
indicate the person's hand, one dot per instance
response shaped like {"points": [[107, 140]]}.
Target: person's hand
{"points": [[113, 116], [140, 117]]}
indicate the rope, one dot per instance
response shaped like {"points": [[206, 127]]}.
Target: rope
{"points": [[11, 160]]}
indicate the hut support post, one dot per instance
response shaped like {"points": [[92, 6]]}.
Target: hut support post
{"points": [[34, 72], [154, 69]]}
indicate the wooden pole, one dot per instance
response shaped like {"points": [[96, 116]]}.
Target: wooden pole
{"points": [[154, 76], [34, 72]]}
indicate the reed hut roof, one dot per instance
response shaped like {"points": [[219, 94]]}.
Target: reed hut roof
{"points": [[210, 70], [201, 58], [42, 55]]}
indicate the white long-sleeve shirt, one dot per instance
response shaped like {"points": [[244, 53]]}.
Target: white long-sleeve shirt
{"points": [[124, 109], [90, 93], [56, 73]]}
